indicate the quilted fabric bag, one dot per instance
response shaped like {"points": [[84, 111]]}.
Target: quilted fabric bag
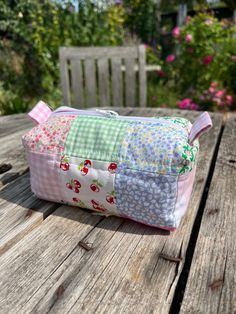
{"points": [[138, 168]]}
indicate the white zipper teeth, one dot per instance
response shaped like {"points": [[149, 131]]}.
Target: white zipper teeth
{"points": [[99, 114]]}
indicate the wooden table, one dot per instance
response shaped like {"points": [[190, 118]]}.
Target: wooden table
{"points": [[124, 267]]}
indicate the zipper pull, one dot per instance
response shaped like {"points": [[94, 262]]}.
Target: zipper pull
{"points": [[108, 113]]}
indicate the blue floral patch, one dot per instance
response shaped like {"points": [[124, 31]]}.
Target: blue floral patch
{"points": [[146, 197], [160, 146]]}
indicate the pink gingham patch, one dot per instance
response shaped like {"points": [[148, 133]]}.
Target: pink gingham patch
{"points": [[40, 113], [45, 176], [200, 126]]}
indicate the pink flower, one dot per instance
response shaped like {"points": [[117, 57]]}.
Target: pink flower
{"points": [[207, 59], [220, 93], [233, 58], [213, 84], [189, 50], [146, 46], [176, 32], [187, 103], [188, 38], [208, 22], [184, 103], [194, 106], [229, 99], [161, 73], [211, 90], [216, 100], [221, 104], [170, 58]]}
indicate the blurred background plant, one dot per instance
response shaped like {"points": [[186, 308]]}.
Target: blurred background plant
{"points": [[197, 61]]}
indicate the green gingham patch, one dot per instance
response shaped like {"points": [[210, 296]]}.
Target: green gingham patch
{"points": [[95, 138]]}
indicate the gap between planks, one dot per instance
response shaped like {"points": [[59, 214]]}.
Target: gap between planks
{"points": [[212, 273], [181, 285], [20, 212], [12, 153]]}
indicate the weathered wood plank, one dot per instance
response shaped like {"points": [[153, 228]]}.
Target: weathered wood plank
{"points": [[14, 123], [77, 83], [65, 84], [117, 83], [212, 275], [12, 153], [31, 261], [103, 81], [90, 82], [123, 273], [20, 212], [130, 83], [98, 52], [108, 240], [142, 77], [89, 56]]}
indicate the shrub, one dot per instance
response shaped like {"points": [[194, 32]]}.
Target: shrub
{"points": [[205, 54]]}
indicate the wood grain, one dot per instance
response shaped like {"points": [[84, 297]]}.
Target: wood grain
{"points": [[77, 83], [20, 212], [98, 58], [103, 81], [13, 123], [124, 272], [64, 75], [12, 153], [31, 261], [130, 83], [117, 82], [212, 275], [90, 82], [98, 52], [142, 76]]}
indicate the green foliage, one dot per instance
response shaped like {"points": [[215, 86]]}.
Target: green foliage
{"points": [[31, 33], [142, 19], [209, 38], [205, 53]]}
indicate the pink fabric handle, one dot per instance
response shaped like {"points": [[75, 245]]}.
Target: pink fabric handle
{"points": [[40, 113], [200, 126]]}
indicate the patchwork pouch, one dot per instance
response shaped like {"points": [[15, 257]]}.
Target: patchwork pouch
{"points": [[138, 168]]}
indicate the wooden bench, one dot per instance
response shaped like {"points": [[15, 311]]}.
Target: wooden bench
{"points": [[60, 259], [103, 76]]}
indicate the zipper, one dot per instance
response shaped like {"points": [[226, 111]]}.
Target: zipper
{"points": [[97, 113]]}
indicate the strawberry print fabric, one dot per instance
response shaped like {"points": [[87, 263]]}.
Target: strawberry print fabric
{"points": [[49, 136], [146, 197], [96, 138], [89, 184], [160, 147]]}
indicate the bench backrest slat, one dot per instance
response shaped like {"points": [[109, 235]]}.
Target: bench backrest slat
{"points": [[103, 76]]}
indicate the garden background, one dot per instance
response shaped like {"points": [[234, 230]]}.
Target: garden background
{"points": [[197, 60]]}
